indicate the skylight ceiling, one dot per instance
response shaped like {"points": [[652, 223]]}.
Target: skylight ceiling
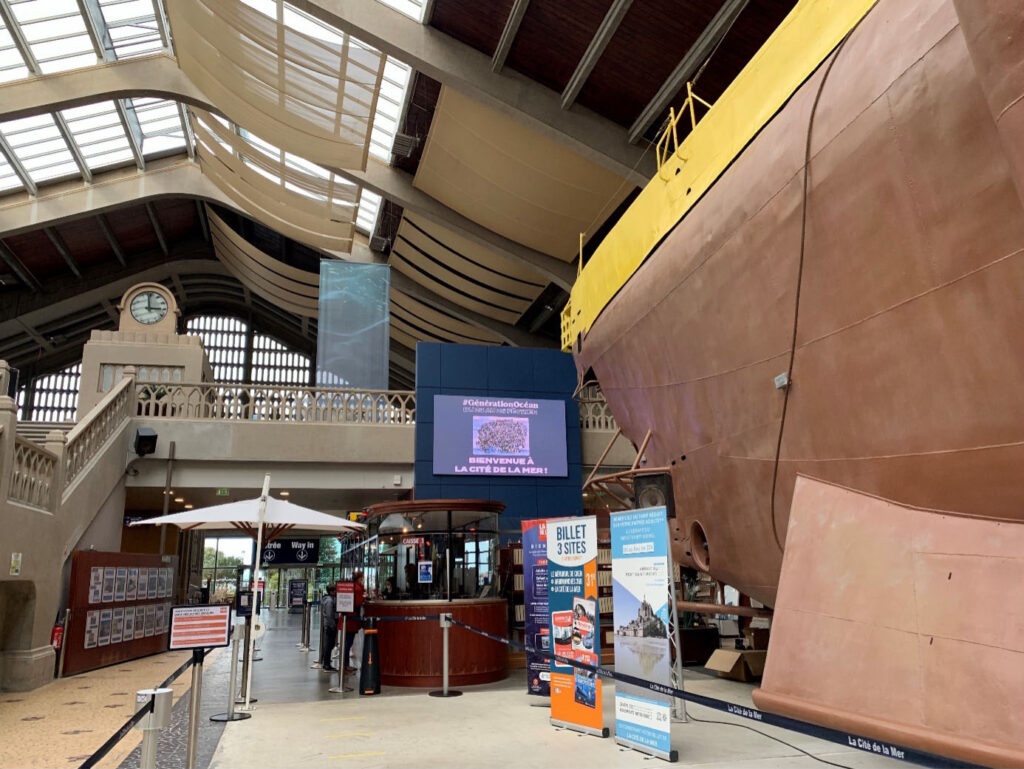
{"points": [[39, 37]]}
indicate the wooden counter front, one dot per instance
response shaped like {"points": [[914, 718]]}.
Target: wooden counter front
{"points": [[410, 652]]}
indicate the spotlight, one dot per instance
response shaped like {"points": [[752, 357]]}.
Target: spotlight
{"points": [[145, 441], [285, 493], [179, 500], [189, 507]]}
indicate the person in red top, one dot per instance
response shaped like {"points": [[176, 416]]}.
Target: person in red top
{"points": [[353, 623]]}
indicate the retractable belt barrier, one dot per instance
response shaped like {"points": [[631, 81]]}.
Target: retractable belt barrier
{"points": [[119, 735], [877, 747], [132, 722]]}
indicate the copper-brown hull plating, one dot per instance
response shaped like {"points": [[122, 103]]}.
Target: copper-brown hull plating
{"points": [[908, 371]]}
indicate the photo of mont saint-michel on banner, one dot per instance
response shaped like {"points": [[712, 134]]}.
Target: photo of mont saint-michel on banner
{"points": [[501, 436], [641, 629]]}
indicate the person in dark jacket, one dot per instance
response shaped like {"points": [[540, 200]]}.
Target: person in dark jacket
{"points": [[328, 625], [352, 621]]}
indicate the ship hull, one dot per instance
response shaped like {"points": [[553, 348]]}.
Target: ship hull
{"points": [[901, 269]]}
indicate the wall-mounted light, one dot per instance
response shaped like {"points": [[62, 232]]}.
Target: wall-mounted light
{"points": [[285, 493], [145, 441], [189, 507], [179, 500]]}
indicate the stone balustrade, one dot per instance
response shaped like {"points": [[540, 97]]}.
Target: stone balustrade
{"points": [[275, 403], [33, 475]]}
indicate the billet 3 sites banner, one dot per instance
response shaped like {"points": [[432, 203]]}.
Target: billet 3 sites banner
{"points": [[572, 601], [535, 599], [640, 595]]}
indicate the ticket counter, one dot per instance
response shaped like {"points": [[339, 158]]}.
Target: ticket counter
{"points": [[432, 556], [410, 652]]}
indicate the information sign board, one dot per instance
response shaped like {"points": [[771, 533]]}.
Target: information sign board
{"points": [[345, 597], [200, 627], [535, 600], [573, 604], [640, 599]]}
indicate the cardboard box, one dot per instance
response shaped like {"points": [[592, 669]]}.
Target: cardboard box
{"points": [[757, 637], [737, 665]]}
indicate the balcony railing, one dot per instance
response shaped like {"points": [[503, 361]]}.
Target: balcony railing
{"points": [[594, 411], [276, 403], [32, 475], [86, 438]]}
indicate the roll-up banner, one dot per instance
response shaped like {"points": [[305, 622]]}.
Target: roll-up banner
{"points": [[640, 601], [535, 600], [573, 604]]}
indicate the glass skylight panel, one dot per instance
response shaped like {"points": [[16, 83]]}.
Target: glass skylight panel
{"points": [[56, 34], [133, 27], [98, 133], [369, 207], [37, 143], [302, 22], [12, 66], [389, 107], [411, 8], [8, 179], [161, 125]]}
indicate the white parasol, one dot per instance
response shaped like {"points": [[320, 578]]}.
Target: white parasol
{"points": [[252, 516]]}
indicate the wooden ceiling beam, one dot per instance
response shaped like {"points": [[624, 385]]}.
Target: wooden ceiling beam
{"points": [[115, 246], [701, 49], [508, 34], [157, 228], [62, 249], [18, 268], [598, 43]]}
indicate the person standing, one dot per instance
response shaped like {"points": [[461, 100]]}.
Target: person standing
{"points": [[353, 624], [328, 628]]}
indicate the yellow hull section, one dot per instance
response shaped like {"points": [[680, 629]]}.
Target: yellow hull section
{"points": [[800, 44]]}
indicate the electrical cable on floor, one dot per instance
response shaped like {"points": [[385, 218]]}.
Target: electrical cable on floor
{"points": [[769, 736]]}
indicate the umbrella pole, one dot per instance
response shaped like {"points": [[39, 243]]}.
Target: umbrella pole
{"points": [[255, 582]]}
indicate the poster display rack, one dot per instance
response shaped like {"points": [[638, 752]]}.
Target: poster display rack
{"points": [[119, 606]]}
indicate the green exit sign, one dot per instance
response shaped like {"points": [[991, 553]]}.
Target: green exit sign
{"points": [[222, 492]]}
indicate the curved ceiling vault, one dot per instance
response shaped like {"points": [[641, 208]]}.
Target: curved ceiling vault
{"points": [[282, 112]]}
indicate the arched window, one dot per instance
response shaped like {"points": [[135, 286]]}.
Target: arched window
{"points": [[226, 341], [51, 397]]}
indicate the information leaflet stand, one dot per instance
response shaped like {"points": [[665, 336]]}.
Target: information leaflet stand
{"points": [[198, 628], [575, 622], [643, 619]]}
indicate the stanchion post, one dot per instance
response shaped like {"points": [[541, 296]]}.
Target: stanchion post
{"points": [[231, 715], [158, 719], [342, 660], [323, 645], [195, 694], [446, 624]]}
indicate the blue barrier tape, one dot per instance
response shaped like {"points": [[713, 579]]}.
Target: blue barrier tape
{"points": [[847, 739]]}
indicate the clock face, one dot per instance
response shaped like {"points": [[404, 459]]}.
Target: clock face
{"points": [[149, 307]]}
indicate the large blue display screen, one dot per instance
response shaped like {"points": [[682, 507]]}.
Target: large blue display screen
{"points": [[479, 435]]}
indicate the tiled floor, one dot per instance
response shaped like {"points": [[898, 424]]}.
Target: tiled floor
{"points": [[62, 723], [298, 722]]}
